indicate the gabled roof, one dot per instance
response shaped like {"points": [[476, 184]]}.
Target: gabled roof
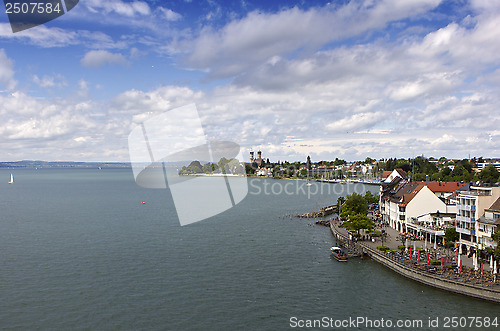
{"points": [[386, 174], [400, 171], [495, 206], [443, 186], [405, 192], [489, 220]]}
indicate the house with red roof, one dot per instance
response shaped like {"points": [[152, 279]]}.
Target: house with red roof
{"points": [[404, 202]]}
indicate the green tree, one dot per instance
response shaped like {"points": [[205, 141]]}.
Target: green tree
{"points": [[460, 173], [355, 204], [369, 160], [371, 198], [489, 174], [496, 236], [358, 222], [451, 234]]}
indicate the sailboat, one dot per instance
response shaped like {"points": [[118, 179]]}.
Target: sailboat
{"points": [[11, 179]]}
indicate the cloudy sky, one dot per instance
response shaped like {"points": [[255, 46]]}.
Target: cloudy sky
{"points": [[347, 79]]}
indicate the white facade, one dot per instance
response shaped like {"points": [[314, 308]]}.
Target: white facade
{"points": [[393, 175], [471, 206], [424, 202]]}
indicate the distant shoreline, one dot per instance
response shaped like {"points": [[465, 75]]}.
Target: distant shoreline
{"points": [[64, 164]]}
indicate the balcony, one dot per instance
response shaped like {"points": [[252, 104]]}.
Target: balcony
{"points": [[463, 231], [430, 227], [475, 193], [465, 219], [481, 233]]}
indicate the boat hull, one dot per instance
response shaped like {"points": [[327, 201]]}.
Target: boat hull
{"points": [[338, 254]]}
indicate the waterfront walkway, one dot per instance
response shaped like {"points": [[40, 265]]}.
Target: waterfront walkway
{"points": [[468, 281]]}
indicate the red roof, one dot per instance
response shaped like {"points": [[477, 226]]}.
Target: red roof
{"points": [[400, 171], [443, 186]]}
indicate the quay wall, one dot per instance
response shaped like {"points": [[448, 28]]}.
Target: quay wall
{"points": [[480, 292]]}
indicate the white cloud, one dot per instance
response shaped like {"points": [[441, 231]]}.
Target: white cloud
{"points": [[433, 92], [6, 71], [50, 81], [128, 9], [43, 36], [356, 122], [95, 59], [260, 36], [169, 14]]}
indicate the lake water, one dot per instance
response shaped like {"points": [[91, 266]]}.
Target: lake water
{"points": [[78, 251]]}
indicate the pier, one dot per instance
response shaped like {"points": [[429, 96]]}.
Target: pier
{"points": [[486, 289]]}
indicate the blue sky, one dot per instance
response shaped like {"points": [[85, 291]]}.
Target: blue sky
{"points": [[346, 79]]}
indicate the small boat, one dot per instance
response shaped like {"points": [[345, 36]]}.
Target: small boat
{"points": [[11, 181], [308, 184], [338, 254], [143, 202]]}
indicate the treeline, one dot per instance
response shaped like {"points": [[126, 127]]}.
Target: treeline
{"points": [[224, 165], [286, 169], [421, 168]]}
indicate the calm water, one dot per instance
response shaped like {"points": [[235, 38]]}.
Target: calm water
{"points": [[78, 251]]}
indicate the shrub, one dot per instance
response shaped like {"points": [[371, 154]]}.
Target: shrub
{"points": [[401, 247], [435, 262], [383, 248], [449, 244]]}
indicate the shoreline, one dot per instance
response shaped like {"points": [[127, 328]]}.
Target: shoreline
{"points": [[486, 291]]}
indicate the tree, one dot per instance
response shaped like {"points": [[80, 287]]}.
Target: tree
{"points": [[489, 174], [370, 198], [460, 173], [369, 160], [355, 204], [451, 234], [358, 222]]}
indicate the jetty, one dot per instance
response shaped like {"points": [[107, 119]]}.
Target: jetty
{"points": [[466, 283], [322, 212]]}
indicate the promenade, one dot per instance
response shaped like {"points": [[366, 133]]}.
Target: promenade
{"points": [[466, 281]]}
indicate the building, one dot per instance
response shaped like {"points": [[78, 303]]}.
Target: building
{"points": [[494, 162], [471, 205], [431, 225], [403, 202], [388, 176], [257, 160], [487, 225]]}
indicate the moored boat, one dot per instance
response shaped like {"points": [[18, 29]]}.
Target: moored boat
{"points": [[338, 254]]}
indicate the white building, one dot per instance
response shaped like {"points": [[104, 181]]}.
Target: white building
{"points": [[389, 176], [471, 205], [403, 203]]}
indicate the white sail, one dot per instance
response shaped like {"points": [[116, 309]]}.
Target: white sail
{"points": [[11, 179]]}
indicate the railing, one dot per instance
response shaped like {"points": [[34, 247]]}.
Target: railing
{"points": [[476, 193], [431, 276]]}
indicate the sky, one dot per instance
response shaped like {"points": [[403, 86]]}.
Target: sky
{"points": [[339, 79]]}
